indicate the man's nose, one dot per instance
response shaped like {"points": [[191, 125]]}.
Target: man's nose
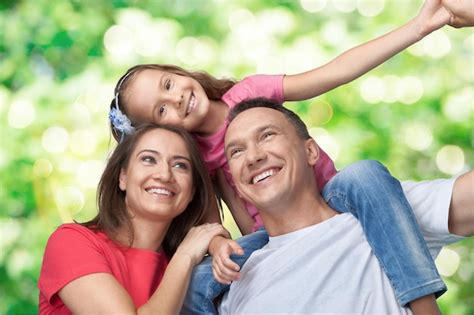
{"points": [[254, 155]]}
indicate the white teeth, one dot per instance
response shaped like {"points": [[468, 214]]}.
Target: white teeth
{"points": [[159, 191], [263, 175], [191, 104]]}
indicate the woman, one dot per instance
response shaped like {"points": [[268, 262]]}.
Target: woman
{"points": [[137, 254]]}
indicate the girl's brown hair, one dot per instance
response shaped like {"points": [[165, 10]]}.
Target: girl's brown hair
{"points": [[214, 88], [113, 214]]}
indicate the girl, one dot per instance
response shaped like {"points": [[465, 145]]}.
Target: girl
{"points": [[137, 254], [199, 103]]}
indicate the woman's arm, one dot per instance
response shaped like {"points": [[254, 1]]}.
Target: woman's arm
{"points": [[359, 60], [101, 293]]}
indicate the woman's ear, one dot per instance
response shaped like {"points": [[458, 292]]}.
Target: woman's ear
{"points": [[123, 180], [312, 151]]}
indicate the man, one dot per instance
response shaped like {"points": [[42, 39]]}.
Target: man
{"points": [[316, 259]]}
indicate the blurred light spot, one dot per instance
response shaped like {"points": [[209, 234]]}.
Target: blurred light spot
{"points": [[370, 8], [10, 230], [320, 113], [390, 82], [4, 96], [334, 32], [21, 114], [83, 142], [417, 136], [459, 106], [344, 5], [447, 262], [276, 21], [193, 51], [326, 142], [69, 200], [304, 54], [239, 18], [409, 90], [313, 5], [88, 173], [55, 140], [42, 168], [450, 159], [436, 44], [148, 41], [372, 89], [19, 261], [80, 114], [119, 40]]}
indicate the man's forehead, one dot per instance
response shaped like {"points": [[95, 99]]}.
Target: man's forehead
{"points": [[253, 119]]}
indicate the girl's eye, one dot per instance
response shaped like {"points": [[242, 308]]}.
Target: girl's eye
{"points": [[167, 85], [162, 110], [181, 165]]}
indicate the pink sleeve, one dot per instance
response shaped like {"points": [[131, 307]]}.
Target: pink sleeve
{"points": [[71, 252], [259, 85]]}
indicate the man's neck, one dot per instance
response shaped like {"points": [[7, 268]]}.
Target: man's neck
{"points": [[299, 213]]}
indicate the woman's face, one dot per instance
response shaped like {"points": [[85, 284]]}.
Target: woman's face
{"points": [[167, 98], [158, 180]]}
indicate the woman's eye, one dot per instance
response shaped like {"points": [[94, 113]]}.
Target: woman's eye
{"points": [[181, 165], [167, 85], [148, 159]]}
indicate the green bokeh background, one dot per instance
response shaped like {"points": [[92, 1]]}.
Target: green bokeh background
{"points": [[59, 61]]}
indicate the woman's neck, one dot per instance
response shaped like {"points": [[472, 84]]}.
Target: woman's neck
{"points": [[215, 118], [146, 235]]}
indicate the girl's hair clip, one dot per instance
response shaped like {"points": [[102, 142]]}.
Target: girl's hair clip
{"points": [[120, 121]]}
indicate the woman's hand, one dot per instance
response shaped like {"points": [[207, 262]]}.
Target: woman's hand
{"points": [[224, 269], [196, 242]]}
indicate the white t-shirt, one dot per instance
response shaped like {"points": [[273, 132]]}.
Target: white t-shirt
{"points": [[327, 268]]}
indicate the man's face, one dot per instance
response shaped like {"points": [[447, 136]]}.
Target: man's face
{"points": [[268, 161]]}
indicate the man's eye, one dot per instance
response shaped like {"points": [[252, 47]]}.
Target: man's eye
{"points": [[167, 85], [268, 134], [235, 152]]}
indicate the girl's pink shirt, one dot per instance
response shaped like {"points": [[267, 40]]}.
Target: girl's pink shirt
{"points": [[212, 147]]}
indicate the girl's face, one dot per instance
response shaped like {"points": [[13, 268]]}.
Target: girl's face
{"points": [[158, 180], [167, 98]]}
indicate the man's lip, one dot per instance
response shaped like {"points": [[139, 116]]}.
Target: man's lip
{"points": [[254, 176]]}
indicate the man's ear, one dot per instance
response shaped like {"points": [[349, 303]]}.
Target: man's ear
{"points": [[123, 180], [312, 151]]}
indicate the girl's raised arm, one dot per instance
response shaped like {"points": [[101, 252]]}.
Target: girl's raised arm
{"points": [[359, 60]]}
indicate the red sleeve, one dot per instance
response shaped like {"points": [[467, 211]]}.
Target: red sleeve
{"points": [[72, 251]]}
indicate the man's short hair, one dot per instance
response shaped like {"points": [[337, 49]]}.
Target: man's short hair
{"points": [[294, 119]]}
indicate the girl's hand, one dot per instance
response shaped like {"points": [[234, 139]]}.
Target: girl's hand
{"points": [[224, 269], [462, 12], [196, 242], [433, 15]]}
